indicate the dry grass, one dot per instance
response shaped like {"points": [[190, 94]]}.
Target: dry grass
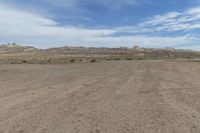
{"points": [[65, 58]]}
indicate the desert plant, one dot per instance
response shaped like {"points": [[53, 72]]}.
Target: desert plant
{"points": [[24, 61], [93, 60], [49, 60], [140, 58], [129, 59], [72, 60], [116, 59]]}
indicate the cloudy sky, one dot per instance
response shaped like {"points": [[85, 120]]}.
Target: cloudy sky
{"points": [[101, 23]]}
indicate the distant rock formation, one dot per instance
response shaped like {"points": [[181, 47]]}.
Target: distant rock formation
{"points": [[14, 48]]}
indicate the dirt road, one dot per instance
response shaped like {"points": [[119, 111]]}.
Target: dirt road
{"points": [[106, 97]]}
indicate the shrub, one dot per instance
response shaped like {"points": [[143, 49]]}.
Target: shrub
{"points": [[188, 57], [24, 61], [140, 58], [93, 60], [49, 60], [72, 60], [116, 59], [129, 59]]}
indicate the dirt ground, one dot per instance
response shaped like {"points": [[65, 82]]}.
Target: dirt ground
{"points": [[106, 97]]}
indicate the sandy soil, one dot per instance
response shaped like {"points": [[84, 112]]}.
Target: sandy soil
{"points": [[106, 97]]}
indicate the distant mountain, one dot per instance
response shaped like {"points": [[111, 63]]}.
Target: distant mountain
{"points": [[16, 54], [15, 48]]}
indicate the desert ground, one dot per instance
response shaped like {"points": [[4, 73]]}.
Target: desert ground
{"points": [[106, 97]]}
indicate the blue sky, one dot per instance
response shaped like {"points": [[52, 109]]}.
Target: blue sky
{"points": [[101, 23]]}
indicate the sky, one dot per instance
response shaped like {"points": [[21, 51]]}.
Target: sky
{"points": [[101, 23]]}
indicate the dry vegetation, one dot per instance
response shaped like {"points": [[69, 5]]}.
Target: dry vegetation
{"points": [[16, 54]]}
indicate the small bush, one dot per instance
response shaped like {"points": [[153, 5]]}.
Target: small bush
{"points": [[139, 58], [24, 61], [188, 57], [116, 59], [72, 60], [93, 60], [49, 60], [129, 59]]}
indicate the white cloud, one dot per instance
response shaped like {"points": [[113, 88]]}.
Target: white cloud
{"points": [[160, 19], [173, 21], [23, 24], [194, 11], [145, 41]]}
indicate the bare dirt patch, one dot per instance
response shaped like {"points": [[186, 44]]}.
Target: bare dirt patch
{"points": [[106, 97]]}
